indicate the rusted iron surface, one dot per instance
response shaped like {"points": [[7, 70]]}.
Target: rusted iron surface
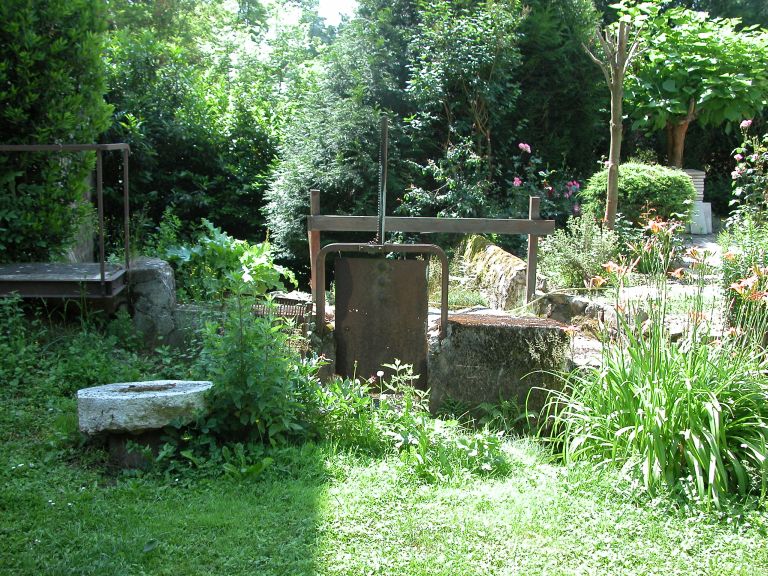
{"points": [[383, 249], [381, 315], [59, 280]]}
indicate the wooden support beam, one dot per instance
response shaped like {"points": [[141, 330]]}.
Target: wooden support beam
{"points": [[314, 244], [432, 225], [534, 203]]}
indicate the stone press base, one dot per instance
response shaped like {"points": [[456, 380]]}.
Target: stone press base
{"points": [[488, 358]]}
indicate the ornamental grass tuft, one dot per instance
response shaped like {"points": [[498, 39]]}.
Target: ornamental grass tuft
{"points": [[690, 416]]}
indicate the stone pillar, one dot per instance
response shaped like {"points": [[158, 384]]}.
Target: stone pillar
{"points": [[487, 358], [153, 298], [701, 219]]}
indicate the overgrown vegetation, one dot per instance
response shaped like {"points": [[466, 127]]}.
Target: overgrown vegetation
{"points": [[685, 417], [573, 257]]}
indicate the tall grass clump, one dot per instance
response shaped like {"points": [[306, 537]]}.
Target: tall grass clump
{"points": [[690, 417], [745, 254]]}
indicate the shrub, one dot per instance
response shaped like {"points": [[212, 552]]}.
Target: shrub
{"points": [[217, 263], [53, 86], [201, 119], [259, 380], [643, 188], [570, 258], [19, 350]]}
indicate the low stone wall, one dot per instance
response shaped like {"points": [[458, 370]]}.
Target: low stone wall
{"points": [[499, 275], [486, 358]]}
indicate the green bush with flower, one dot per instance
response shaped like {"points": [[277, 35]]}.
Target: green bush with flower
{"points": [[750, 176], [643, 189], [560, 198]]}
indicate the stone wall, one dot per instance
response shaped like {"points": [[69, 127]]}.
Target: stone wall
{"points": [[499, 275]]}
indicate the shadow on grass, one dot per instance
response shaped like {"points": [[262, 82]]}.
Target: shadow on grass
{"points": [[63, 515]]}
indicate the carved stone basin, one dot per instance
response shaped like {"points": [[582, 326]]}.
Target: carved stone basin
{"points": [[137, 407]]}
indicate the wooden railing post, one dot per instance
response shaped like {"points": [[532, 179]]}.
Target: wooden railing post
{"points": [[314, 243], [534, 203]]}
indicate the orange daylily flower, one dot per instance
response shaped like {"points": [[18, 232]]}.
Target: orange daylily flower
{"points": [[679, 273]]}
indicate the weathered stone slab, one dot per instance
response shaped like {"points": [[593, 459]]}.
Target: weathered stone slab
{"points": [[499, 275], [153, 298], [136, 407], [486, 358]]}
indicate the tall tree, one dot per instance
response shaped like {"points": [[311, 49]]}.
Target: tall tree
{"points": [[559, 107], [697, 68], [462, 72], [614, 48], [197, 106]]}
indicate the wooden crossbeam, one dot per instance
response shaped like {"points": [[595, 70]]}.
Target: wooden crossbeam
{"points": [[428, 225]]}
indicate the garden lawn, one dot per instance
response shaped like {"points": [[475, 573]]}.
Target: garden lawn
{"points": [[317, 511]]}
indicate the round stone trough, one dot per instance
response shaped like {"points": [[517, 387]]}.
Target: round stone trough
{"points": [[138, 407]]}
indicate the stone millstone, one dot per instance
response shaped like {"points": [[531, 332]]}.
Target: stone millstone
{"points": [[488, 358], [135, 407]]}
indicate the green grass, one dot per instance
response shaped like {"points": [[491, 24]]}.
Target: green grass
{"points": [[321, 511], [317, 510]]}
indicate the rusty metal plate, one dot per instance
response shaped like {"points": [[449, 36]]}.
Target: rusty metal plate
{"points": [[381, 315]]}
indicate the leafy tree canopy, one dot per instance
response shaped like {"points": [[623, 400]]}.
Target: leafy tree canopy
{"points": [[697, 68]]}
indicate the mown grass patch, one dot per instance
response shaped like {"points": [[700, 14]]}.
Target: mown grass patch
{"points": [[319, 510]]}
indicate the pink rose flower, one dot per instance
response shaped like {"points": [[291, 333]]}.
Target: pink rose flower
{"points": [[524, 147], [738, 157], [745, 124], [516, 181]]}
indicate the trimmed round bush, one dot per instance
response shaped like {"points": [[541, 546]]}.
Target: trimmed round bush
{"points": [[643, 188]]}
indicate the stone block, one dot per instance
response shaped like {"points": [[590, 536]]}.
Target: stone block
{"points": [[153, 298], [499, 275], [486, 358]]}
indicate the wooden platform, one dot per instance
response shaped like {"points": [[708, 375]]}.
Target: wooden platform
{"points": [[63, 281]]}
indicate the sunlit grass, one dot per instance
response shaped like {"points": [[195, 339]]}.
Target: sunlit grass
{"points": [[319, 510]]}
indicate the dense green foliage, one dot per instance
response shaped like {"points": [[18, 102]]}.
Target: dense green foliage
{"points": [[218, 264], [53, 82], [259, 380], [689, 417], [643, 189], [561, 91], [448, 77], [196, 109]]}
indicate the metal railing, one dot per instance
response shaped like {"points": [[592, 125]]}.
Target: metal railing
{"points": [[99, 149]]}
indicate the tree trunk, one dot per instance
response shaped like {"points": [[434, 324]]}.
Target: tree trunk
{"points": [[676, 142], [614, 155]]}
